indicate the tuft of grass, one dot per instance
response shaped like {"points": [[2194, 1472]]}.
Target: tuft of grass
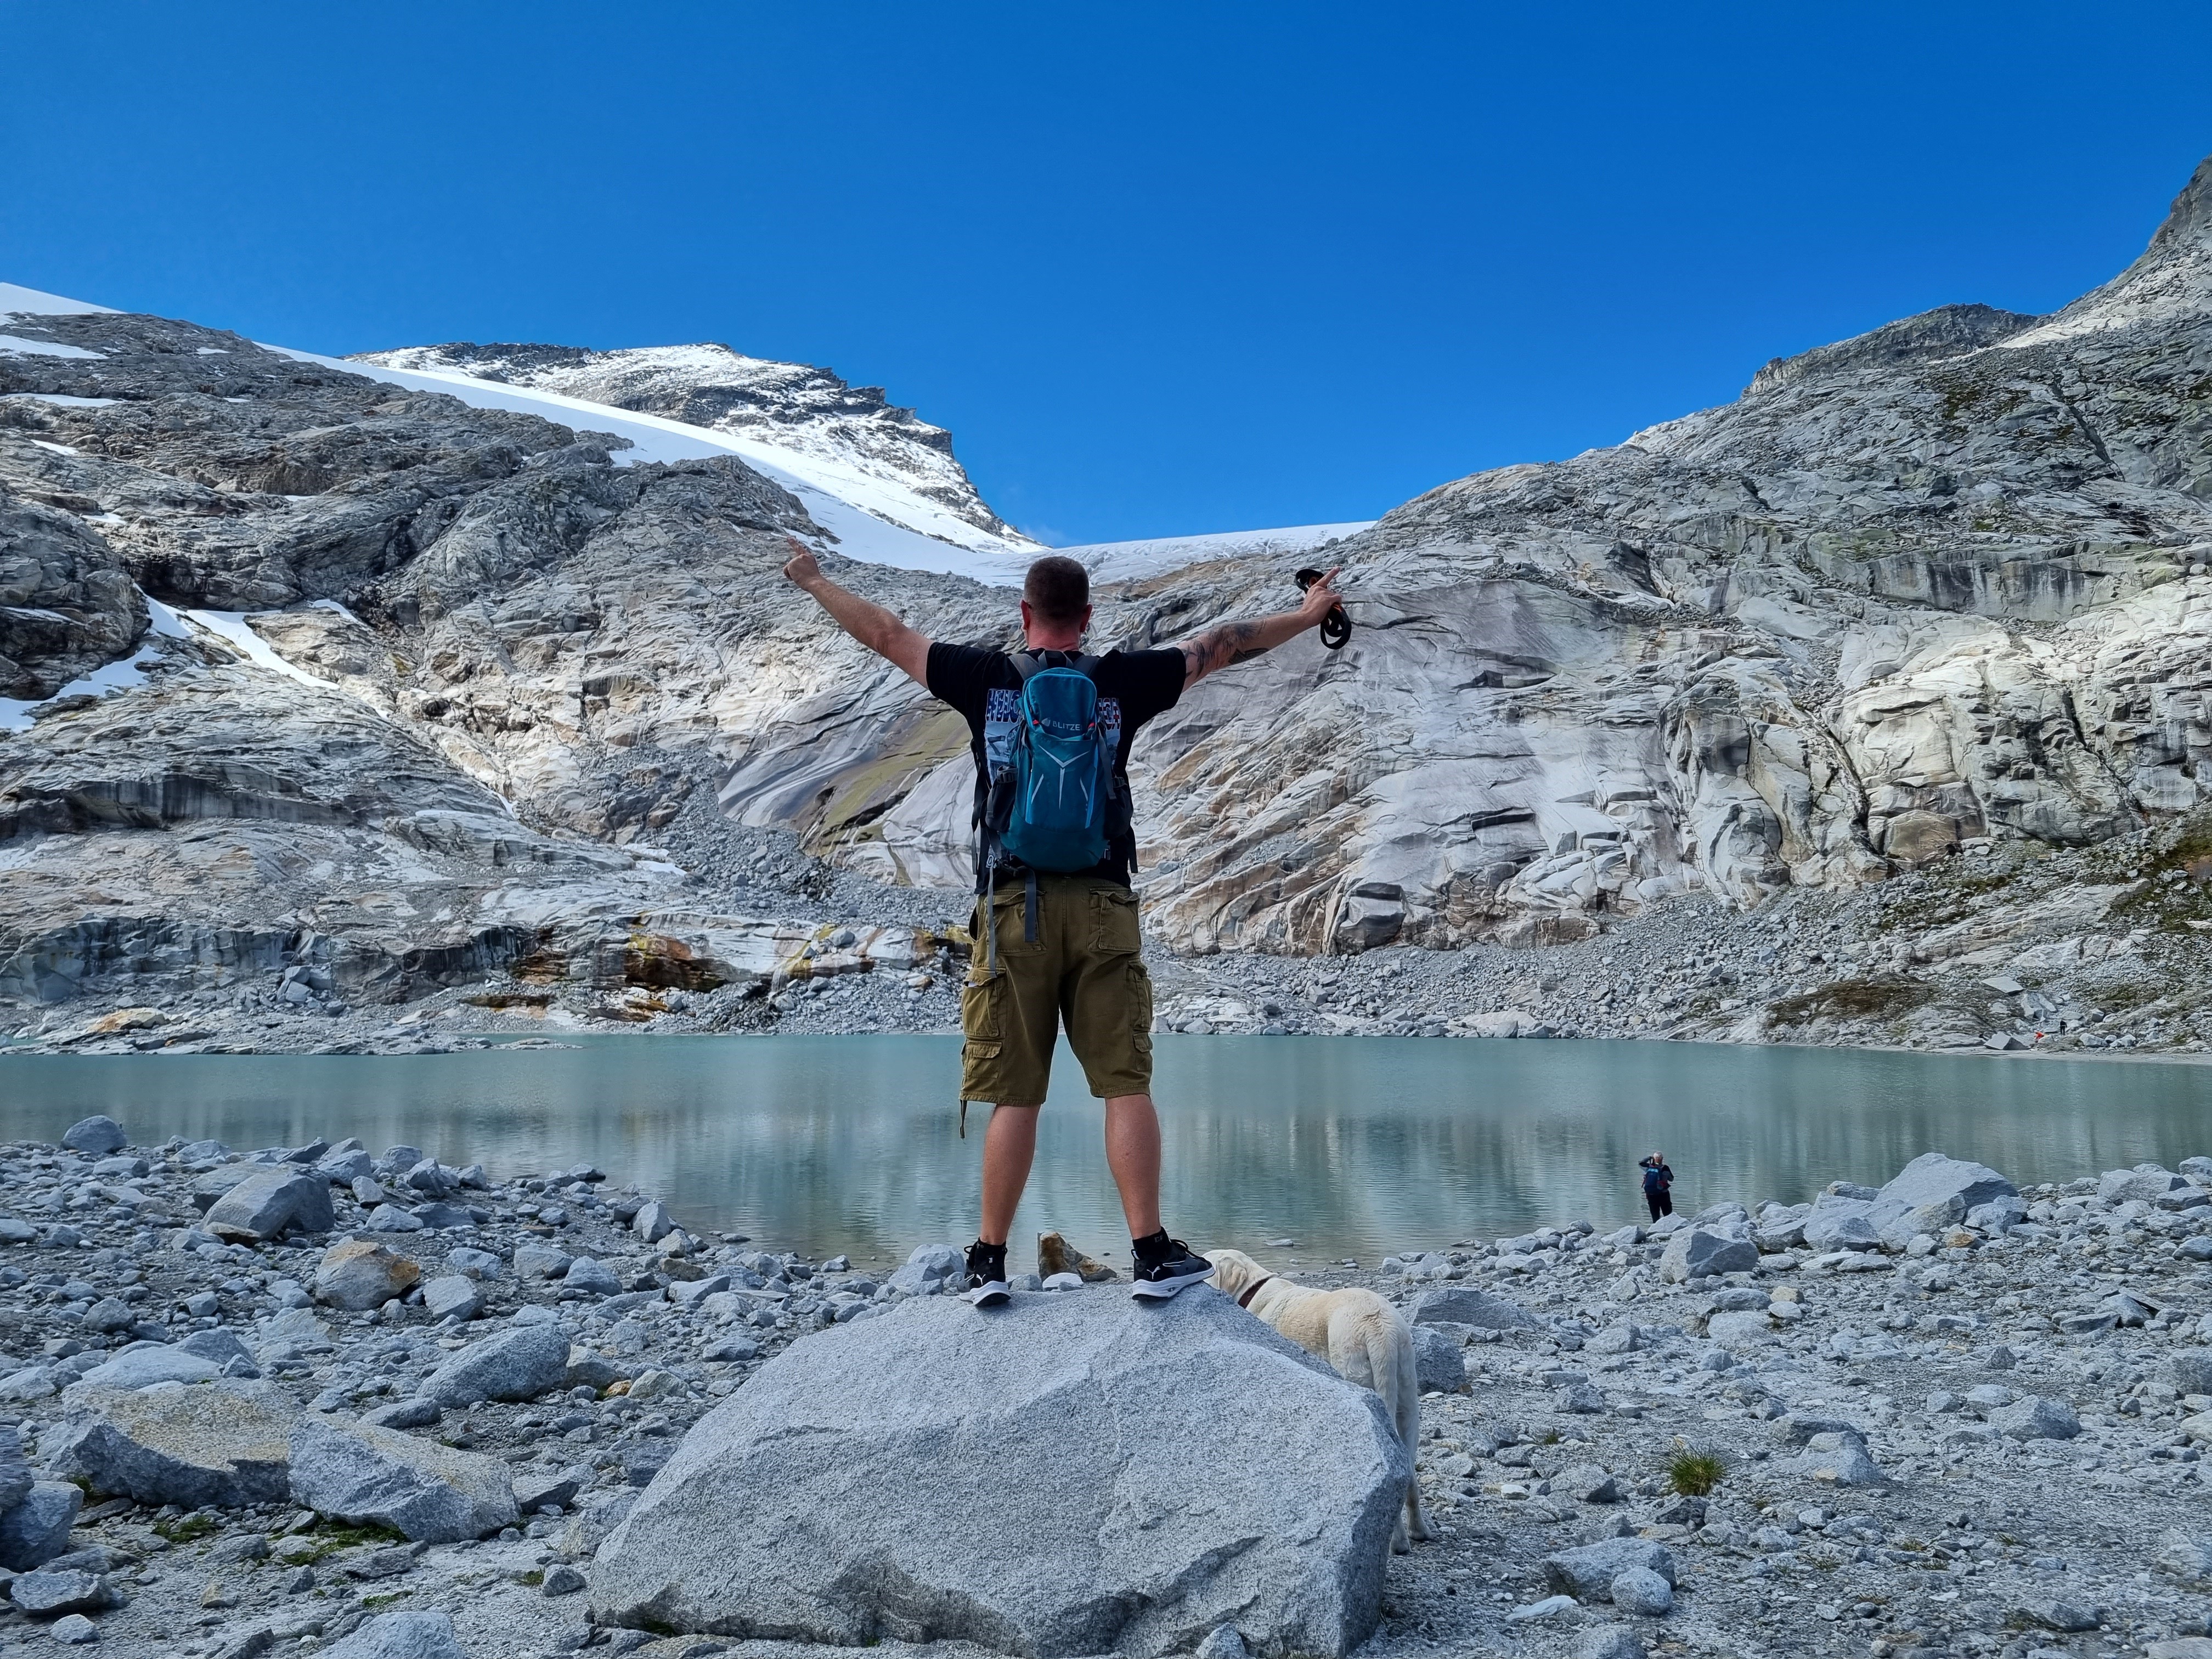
{"points": [[185, 1528], [1693, 1473]]}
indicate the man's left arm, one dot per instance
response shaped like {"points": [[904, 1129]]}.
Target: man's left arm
{"points": [[1236, 641]]}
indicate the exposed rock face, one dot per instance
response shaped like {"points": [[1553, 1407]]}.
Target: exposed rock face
{"points": [[1943, 582]]}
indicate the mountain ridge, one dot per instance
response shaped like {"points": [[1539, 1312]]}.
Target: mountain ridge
{"points": [[1940, 588]]}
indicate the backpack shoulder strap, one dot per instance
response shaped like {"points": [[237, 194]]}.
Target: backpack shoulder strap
{"points": [[1026, 663], [1087, 665]]}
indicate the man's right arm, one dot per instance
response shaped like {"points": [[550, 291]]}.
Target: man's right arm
{"points": [[866, 621]]}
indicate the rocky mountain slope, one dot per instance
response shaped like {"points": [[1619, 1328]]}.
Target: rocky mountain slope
{"points": [[312, 669], [785, 405]]}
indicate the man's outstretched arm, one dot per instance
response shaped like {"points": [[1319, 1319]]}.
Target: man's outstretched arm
{"points": [[1234, 641], [865, 621]]}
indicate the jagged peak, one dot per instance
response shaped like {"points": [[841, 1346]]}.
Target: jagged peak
{"points": [[1946, 332], [2189, 221]]}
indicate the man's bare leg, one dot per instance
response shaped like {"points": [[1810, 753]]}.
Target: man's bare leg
{"points": [[1009, 1142], [1132, 1153]]}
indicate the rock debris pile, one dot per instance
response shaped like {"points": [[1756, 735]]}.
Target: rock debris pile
{"points": [[326, 1399]]}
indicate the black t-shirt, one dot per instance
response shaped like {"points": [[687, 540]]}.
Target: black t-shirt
{"points": [[1133, 686]]}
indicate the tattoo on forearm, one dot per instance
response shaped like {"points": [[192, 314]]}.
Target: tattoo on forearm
{"points": [[1220, 648]]}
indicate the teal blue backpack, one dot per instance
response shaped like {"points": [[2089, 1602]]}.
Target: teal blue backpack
{"points": [[1062, 766]]}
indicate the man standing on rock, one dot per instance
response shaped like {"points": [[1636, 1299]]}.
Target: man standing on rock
{"points": [[1062, 946]]}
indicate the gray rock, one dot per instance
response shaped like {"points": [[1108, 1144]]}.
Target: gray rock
{"points": [[652, 1222], [391, 1218], [588, 1370], [1932, 1193], [534, 1490], [2190, 1373], [520, 1363], [73, 1629], [431, 1179], [211, 1185], [1462, 1304], [1695, 1252], [360, 1273], [223, 1444], [561, 1579], [272, 1200], [38, 1528], [1839, 1224], [927, 1269], [16, 1476], [2187, 1556], [590, 1277], [2061, 1615], [1840, 1459], [422, 1490], [222, 1348], [1587, 1483], [452, 1295], [416, 1413], [408, 1635], [143, 1367], [1609, 1642], [1587, 1572], [2036, 1419], [1738, 1330], [1222, 1642], [44, 1594], [1293, 1550], [539, 1261], [1643, 1592], [97, 1135], [1438, 1361], [2147, 1182], [477, 1264], [344, 1168]]}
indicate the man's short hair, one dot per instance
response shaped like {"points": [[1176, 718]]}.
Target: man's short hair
{"points": [[1058, 589]]}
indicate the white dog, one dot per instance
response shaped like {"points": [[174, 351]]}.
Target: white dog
{"points": [[1359, 1334]]}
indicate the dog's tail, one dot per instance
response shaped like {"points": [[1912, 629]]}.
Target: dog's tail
{"points": [[1390, 1362]]}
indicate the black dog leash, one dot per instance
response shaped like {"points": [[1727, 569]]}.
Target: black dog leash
{"points": [[1336, 627]]}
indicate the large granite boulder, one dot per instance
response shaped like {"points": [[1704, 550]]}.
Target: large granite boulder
{"points": [[269, 1202], [417, 1487], [1080, 1473], [221, 1443], [1932, 1193]]}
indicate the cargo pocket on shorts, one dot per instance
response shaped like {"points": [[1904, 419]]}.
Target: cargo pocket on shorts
{"points": [[1140, 1010], [1114, 929], [981, 1001]]}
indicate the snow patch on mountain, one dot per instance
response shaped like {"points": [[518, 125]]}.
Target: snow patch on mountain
{"points": [[869, 518], [1126, 561]]}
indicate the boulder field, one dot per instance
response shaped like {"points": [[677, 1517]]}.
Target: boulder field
{"points": [[1949, 1415]]}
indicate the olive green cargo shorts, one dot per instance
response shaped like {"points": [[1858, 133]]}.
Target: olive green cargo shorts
{"points": [[1084, 972]]}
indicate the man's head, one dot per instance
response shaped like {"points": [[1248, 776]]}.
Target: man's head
{"points": [[1056, 603]]}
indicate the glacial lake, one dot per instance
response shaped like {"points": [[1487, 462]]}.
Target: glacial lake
{"points": [[1355, 1148]]}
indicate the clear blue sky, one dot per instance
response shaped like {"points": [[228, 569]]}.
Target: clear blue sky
{"points": [[1160, 269]]}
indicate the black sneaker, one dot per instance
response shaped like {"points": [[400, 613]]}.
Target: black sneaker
{"points": [[987, 1274], [1164, 1266]]}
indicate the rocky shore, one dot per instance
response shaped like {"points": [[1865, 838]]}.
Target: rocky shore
{"points": [[2013, 946], [336, 1400]]}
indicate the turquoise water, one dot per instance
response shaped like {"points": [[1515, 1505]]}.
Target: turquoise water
{"points": [[1353, 1146]]}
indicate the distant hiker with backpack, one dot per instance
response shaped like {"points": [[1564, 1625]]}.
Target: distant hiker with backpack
{"points": [[1658, 1184], [1056, 936]]}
